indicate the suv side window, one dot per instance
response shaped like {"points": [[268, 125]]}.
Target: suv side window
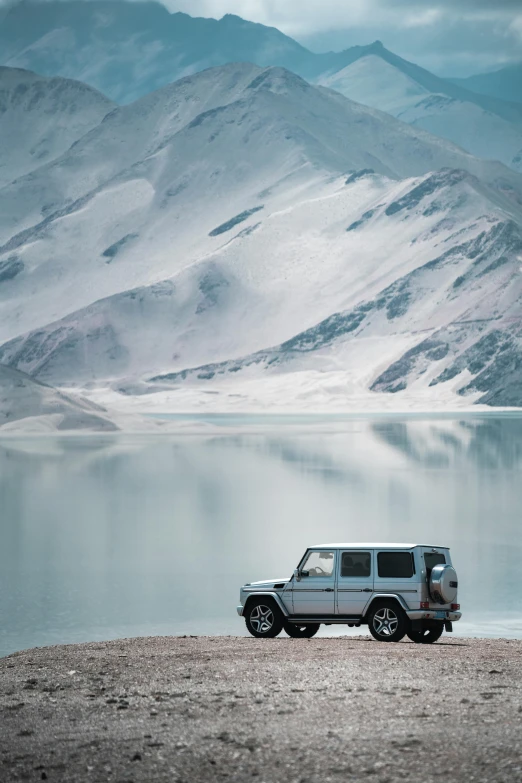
{"points": [[319, 564], [356, 564], [395, 565]]}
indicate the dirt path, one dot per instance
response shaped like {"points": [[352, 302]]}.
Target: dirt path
{"points": [[239, 709]]}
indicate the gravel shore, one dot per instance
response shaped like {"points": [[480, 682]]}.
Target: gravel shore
{"points": [[205, 709]]}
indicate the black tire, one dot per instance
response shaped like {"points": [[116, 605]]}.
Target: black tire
{"points": [[426, 635], [387, 622], [296, 631], [263, 618]]}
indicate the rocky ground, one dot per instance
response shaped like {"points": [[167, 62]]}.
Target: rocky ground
{"points": [[240, 709]]}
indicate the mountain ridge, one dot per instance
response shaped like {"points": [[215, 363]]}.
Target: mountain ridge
{"points": [[65, 185], [262, 45], [503, 83], [375, 81]]}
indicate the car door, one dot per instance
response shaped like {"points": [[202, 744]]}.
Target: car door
{"points": [[354, 581], [314, 593]]}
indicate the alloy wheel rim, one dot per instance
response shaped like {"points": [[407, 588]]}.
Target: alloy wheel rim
{"points": [[262, 619], [385, 622]]}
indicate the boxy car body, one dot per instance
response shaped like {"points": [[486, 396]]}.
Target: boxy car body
{"points": [[414, 585]]}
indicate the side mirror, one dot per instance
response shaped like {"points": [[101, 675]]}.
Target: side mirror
{"points": [[297, 575]]}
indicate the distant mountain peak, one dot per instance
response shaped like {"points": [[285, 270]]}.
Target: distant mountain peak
{"points": [[232, 17], [276, 77]]}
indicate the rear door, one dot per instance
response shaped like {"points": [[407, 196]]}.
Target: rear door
{"points": [[314, 594], [354, 581], [431, 557]]}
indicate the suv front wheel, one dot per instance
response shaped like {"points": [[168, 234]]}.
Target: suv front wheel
{"points": [[263, 618], [387, 622]]}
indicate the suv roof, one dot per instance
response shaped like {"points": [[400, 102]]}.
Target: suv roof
{"points": [[374, 546]]}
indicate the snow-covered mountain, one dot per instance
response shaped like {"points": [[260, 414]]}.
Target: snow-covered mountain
{"points": [[504, 83], [40, 118], [257, 127], [268, 233], [374, 80]]}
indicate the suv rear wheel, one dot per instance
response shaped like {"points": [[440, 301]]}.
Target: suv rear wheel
{"points": [[426, 635], [296, 631], [387, 622], [263, 618]]}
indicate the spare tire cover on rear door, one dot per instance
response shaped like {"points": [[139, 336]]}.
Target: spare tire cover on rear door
{"points": [[443, 584]]}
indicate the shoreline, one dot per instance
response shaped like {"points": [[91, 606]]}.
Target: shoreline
{"points": [[213, 423], [191, 709]]}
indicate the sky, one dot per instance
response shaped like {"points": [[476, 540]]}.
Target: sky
{"points": [[449, 37]]}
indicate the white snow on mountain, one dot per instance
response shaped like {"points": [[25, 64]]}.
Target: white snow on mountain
{"points": [[426, 301], [243, 229], [40, 118], [480, 132], [375, 82]]}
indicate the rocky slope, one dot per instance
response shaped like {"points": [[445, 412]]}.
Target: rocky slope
{"points": [[449, 304]]}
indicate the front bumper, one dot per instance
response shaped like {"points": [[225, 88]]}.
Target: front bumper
{"points": [[431, 614], [240, 610]]}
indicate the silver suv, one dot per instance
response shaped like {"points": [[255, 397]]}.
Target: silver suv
{"points": [[395, 589]]}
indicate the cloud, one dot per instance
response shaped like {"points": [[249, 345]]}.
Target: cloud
{"points": [[312, 16], [516, 26]]}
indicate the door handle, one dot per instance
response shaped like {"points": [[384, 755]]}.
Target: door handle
{"points": [[329, 590], [367, 590]]}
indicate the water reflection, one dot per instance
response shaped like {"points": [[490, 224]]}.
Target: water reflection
{"points": [[116, 535], [492, 443]]}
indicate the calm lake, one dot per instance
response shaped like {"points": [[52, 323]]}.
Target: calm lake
{"points": [[111, 536]]}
